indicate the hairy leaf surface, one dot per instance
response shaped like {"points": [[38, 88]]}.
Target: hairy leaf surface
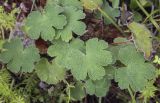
{"points": [[74, 25], [19, 58], [83, 59], [50, 73], [43, 23], [136, 73]]}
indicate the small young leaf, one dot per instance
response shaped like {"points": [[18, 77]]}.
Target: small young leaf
{"points": [[50, 73], [19, 58], [78, 92], [156, 59], [98, 87]]}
